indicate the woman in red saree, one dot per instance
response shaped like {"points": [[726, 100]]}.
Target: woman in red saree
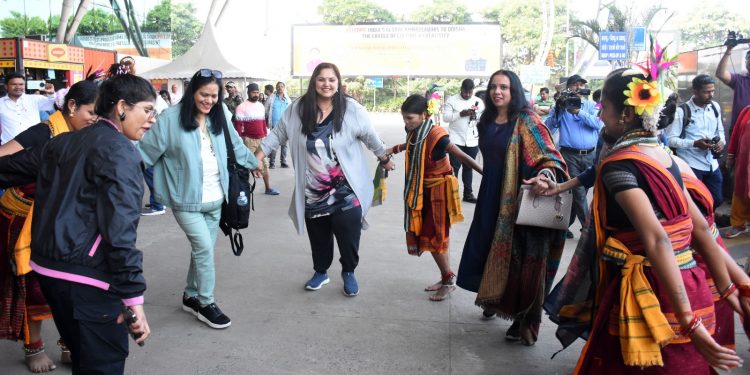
{"points": [[22, 305], [654, 309]]}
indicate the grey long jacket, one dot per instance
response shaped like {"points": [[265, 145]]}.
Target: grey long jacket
{"points": [[356, 131]]}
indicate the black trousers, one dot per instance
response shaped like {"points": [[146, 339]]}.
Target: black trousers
{"points": [[346, 226], [86, 318], [466, 175]]}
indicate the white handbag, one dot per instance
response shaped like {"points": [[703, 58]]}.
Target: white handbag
{"points": [[546, 211]]}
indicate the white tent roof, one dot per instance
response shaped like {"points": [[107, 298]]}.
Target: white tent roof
{"points": [[210, 51]]}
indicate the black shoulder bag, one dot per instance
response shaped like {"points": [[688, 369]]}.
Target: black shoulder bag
{"points": [[235, 210]]}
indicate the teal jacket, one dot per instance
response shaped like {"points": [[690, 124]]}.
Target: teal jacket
{"points": [[175, 155]]}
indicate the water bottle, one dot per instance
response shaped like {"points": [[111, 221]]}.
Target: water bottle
{"points": [[242, 199]]}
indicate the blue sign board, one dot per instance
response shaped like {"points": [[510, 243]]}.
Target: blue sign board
{"points": [[376, 82], [613, 45], [638, 42]]}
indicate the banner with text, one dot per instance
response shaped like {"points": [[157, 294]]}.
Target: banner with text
{"points": [[398, 49]]}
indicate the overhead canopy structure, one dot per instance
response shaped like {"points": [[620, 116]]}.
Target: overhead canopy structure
{"points": [[212, 50]]}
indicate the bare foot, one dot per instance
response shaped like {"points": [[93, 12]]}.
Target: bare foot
{"points": [[434, 287], [64, 352], [39, 363], [442, 293]]}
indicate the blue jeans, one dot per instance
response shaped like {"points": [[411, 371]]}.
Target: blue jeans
{"points": [[201, 228], [577, 164], [148, 175], [713, 181]]}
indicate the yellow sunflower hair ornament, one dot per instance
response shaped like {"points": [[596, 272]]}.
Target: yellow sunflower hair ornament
{"points": [[646, 96]]}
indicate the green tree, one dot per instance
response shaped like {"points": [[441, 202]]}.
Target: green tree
{"points": [[521, 28], [159, 18], [350, 12], [707, 25], [97, 21], [21, 25], [442, 11], [185, 28]]}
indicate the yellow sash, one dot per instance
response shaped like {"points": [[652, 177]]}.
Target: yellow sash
{"points": [[57, 126], [644, 329]]}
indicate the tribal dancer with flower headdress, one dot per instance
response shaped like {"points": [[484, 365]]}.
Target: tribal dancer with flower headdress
{"points": [[654, 312], [432, 203]]}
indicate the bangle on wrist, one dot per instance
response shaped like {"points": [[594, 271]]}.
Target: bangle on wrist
{"points": [[689, 330], [744, 290], [728, 291]]}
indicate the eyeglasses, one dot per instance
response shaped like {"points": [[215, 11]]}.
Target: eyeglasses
{"points": [[210, 73], [150, 112]]}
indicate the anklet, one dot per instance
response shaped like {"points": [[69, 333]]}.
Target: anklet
{"points": [[33, 349]]}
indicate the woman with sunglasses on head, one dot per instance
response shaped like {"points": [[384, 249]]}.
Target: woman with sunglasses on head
{"points": [[509, 266], [333, 190], [22, 304], [88, 194], [188, 151]]}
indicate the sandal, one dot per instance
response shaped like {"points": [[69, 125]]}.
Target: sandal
{"points": [[447, 285], [64, 352], [448, 279]]}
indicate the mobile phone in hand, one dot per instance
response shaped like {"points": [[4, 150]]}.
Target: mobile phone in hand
{"points": [[130, 318]]}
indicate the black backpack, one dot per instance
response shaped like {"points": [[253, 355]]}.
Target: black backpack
{"points": [[233, 215], [687, 114]]}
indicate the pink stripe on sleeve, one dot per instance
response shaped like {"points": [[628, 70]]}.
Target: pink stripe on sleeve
{"points": [[133, 301], [69, 277], [96, 245]]}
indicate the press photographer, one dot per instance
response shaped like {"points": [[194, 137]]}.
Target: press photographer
{"points": [[697, 135], [575, 117], [738, 81]]}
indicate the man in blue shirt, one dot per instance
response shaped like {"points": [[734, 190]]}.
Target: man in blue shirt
{"points": [[694, 141], [579, 131], [275, 106]]}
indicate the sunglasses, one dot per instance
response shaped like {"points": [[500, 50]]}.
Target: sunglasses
{"points": [[210, 73]]}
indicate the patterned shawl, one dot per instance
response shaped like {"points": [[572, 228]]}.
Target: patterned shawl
{"points": [[416, 142], [522, 260]]}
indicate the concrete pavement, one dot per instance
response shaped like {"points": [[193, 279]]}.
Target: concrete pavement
{"points": [[279, 328]]}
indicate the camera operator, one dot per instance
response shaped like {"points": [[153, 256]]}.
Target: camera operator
{"points": [[740, 83], [577, 120], [697, 135]]}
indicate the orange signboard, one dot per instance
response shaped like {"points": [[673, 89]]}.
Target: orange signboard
{"points": [[57, 52]]}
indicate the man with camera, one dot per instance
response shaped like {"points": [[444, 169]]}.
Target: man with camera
{"points": [[740, 83], [461, 112], [697, 135], [576, 118]]}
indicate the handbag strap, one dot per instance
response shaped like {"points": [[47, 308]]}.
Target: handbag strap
{"points": [[237, 243], [231, 158]]}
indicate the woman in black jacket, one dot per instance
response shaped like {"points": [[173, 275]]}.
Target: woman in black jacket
{"points": [[89, 186]]}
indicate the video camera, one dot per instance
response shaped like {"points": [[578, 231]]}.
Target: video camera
{"points": [[714, 141], [570, 99], [734, 38]]}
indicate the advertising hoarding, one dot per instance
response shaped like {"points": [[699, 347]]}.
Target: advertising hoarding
{"points": [[467, 50]]}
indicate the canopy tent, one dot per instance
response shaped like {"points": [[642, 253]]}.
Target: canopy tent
{"points": [[211, 51]]}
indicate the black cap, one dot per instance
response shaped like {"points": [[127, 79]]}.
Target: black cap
{"points": [[253, 87], [575, 78]]}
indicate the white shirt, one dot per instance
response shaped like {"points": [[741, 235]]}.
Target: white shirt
{"points": [[463, 132], [212, 190], [704, 124], [17, 116], [175, 97]]}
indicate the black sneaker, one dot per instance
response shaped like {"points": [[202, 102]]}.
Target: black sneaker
{"points": [[284, 165], [212, 315], [470, 198], [191, 305]]}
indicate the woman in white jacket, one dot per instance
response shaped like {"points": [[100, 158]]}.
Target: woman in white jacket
{"points": [[332, 190]]}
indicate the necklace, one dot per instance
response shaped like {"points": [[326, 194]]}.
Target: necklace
{"points": [[640, 137]]}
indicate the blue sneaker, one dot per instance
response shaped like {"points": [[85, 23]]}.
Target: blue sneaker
{"points": [[317, 281], [351, 288]]}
